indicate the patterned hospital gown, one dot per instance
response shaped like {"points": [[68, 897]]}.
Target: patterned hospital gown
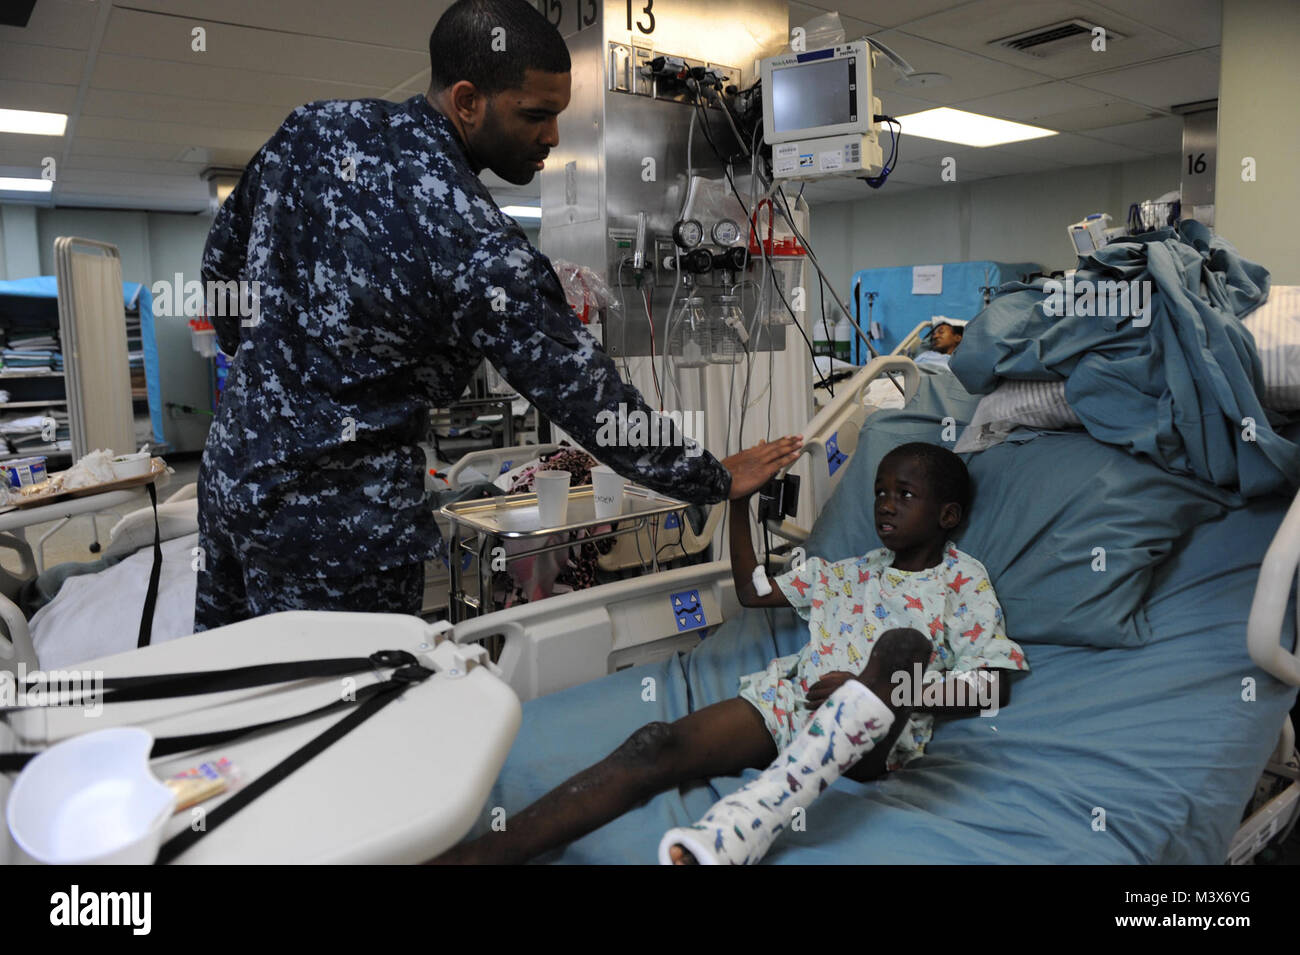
{"points": [[387, 274], [850, 603]]}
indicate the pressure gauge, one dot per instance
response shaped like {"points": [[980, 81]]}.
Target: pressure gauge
{"points": [[688, 233], [726, 232]]}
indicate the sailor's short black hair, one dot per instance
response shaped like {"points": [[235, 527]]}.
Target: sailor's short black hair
{"points": [[491, 43], [946, 473]]}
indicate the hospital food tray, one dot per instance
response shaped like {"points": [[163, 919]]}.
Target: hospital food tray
{"points": [[38, 497]]}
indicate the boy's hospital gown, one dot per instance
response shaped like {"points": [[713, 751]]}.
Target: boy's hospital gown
{"points": [[850, 603]]}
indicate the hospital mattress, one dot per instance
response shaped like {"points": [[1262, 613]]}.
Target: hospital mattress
{"points": [[1125, 744]]}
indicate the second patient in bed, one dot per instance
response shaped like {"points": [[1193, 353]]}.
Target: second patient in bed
{"points": [[916, 603]]}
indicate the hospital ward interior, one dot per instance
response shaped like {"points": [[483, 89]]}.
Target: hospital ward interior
{"points": [[649, 432]]}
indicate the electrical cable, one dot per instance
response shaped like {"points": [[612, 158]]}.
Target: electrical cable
{"points": [[653, 374], [727, 171], [875, 182], [789, 218]]}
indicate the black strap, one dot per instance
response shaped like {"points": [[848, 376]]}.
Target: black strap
{"points": [[158, 686], [151, 595], [170, 745], [384, 694]]}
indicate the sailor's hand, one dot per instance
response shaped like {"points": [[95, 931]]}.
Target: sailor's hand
{"points": [[752, 468]]}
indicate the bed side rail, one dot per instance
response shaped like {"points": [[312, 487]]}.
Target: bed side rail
{"points": [[911, 345], [17, 647], [489, 462], [830, 439], [1277, 575], [563, 641]]}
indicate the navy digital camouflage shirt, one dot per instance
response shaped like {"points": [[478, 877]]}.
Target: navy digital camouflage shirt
{"points": [[386, 274]]}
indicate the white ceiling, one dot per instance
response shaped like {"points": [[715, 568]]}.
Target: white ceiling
{"points": [[1109, 107], [148, 114]]}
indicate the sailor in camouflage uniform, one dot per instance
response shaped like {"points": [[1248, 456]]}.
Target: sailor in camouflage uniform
{"points": [[384, 273]]}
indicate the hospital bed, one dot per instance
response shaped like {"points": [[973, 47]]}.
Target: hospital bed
{"points": [[380, 793], [1058, 776], [1139, 736]]}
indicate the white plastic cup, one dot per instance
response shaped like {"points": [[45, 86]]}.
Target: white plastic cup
{"points": [[91, 800], [552, 489], [132, 465], [607, 491]]}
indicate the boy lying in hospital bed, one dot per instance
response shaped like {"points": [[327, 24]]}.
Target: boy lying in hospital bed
{"points": [[847, 703]]}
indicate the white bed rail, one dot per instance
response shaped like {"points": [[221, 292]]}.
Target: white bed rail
{"points": [[911, 345], [17, 649], [563, 641], [831, 438], [489, 462], [1267, 611]]}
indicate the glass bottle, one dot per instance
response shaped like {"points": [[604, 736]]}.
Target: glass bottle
{"points": [[691, 341], [728, 320]]}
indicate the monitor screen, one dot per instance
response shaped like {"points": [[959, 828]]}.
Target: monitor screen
{"points": [[821, 93], [1082, 241]]}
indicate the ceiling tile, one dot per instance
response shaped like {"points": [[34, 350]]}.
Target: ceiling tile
{"points": [[1198, 22], [182, 134], [44, 63], [404, 23], [45, 97], [21, 163], [973, 26], [892, 13], [973, 76], [1179, 79], [1111, 113], [259, 51], [1073, 149], [32, 145], [133, 164], [802, 13], [57, 23], [1060, 106], [169, 108], [1156, 136], [83, 146], [213, 83]]}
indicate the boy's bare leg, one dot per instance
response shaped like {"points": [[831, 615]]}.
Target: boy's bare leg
{"points": [[719, 740]]}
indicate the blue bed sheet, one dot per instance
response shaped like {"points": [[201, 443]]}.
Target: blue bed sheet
{"points": [[1164, 738]]}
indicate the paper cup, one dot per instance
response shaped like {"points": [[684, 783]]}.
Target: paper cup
{"points": [[132, 465], [91, 800], [607, 491], [552, 489]]}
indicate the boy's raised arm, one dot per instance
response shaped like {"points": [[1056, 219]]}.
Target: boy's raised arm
{"points": [[743, 561]]}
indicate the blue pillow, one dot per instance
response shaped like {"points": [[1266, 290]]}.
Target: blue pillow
{"points": [[1070, 530]]}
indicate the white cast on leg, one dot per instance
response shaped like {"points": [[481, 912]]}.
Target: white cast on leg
{"points": [[741, 828]]}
